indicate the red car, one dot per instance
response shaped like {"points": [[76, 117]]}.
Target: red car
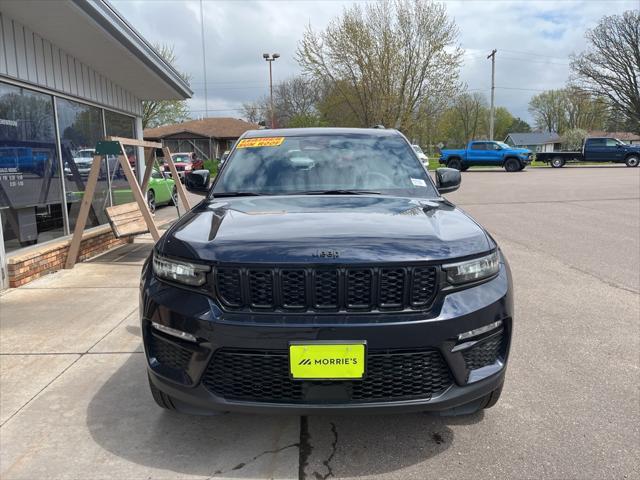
{"points": [[185, 162]]}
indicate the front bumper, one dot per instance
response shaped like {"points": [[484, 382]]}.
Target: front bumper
{"points": [[189, 371]]}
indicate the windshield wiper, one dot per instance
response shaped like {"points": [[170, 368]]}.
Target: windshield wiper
{"points": [[336, 192], [236, 194]]}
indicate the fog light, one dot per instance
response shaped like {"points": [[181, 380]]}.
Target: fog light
{"points": [[174, 332], [479, 331]]}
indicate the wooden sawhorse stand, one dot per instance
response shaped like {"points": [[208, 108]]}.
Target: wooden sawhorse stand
{"points": [[116, 146]]}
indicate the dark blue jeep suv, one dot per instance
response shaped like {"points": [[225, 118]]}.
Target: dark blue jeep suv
{"points": [[324, 271]]}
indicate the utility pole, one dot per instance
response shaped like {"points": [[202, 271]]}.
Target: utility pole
{"points": [[270, 59], [492, 56], [204, 63]]}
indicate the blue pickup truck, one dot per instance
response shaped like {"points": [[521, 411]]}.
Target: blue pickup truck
{"points": [[487, 153]]}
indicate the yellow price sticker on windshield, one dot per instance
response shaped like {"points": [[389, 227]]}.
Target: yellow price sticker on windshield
{"points": [[260, 142]]}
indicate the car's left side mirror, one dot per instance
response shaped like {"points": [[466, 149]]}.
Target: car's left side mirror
{"points": [[448, 180], [197, 182]]}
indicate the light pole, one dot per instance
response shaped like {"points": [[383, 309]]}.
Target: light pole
{"points": [[270, 59], [492, 56]]}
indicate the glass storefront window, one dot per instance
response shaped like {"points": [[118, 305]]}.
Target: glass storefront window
{"points": [[30, 186], [119, 125], [80, 129]]}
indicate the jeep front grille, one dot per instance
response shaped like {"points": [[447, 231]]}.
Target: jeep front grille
{"points": [[357, 289]]}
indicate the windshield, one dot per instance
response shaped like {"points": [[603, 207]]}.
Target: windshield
{"points": [[323, 163], [182, 157], [84, 154], [503, 145]]}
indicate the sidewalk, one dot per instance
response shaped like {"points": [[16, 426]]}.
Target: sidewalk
{"points": [[74, 397]]}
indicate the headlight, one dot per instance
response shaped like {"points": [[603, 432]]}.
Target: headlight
{"points": [[472, 270], [187, 168], [180, 271]]}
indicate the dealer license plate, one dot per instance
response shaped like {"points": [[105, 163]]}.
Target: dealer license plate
{"points": [[327, 360]]}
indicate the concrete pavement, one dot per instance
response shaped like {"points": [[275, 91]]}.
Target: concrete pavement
{"points": [[74, 403]]}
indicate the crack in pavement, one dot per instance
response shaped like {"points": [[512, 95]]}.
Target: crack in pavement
{"points": [[241, 465], [327, 462], [305, 447]]}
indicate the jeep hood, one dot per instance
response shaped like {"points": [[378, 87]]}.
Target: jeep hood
{"points": [[296, 229]]}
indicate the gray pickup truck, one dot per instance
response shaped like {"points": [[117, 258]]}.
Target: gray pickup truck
{"points": [[595, 149]]}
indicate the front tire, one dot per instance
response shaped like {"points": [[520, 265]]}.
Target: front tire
{"points": [[474, 407], [557, 162], [455, 163], [162, 399], [512, 165], [632, 161], [174, 197], [151, 201]]}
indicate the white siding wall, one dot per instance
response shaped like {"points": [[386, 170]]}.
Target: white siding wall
{"points": [[25, 56]]}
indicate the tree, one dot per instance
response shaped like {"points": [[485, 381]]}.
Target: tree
{"points": [[252, 112], [549, 110], [572, 139], [583, 111], [162, 112], [472, 113], [502, 124], [519, 126], [294, 98], [610, 67], [385, 59]]}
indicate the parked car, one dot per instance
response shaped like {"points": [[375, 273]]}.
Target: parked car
{"points": [[421, 155], [487, 153], [224, 157], [83, 158], [324, 271], [24, 159], [162, 190], [185, 162], [595, 149]]}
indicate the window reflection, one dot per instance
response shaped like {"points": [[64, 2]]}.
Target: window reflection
{"points": [[80, 130], [118, 125], [30, 187]]}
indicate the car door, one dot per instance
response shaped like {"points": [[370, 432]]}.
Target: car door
{"points": [[595, 150], [494, 153], [614, 150], [475, 153]]}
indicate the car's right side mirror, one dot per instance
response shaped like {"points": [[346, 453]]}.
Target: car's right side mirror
{"points": [[448, 180], [197, 181]]}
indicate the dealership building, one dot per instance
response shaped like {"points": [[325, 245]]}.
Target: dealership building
{"points": [[71, 73]]}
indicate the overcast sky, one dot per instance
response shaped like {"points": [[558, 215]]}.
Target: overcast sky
{"points": [[534, 40]]}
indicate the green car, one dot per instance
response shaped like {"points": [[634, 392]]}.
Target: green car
{"points": [[161, 191]]}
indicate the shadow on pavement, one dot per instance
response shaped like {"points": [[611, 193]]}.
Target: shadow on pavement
{"points": [[123, 419]]}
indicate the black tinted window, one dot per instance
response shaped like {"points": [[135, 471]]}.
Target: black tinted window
{"points": [[478, 146]]}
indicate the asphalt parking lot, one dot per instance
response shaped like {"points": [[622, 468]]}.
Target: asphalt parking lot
{"points": [[74, 401]]}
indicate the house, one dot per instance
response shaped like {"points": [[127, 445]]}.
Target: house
{"points": [[535, 141], [208, 137], [71, 73], [626, 137]]}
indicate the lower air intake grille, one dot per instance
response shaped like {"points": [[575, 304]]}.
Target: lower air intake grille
{"points": [[168, 354], [484, 353], [263, 376]]}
